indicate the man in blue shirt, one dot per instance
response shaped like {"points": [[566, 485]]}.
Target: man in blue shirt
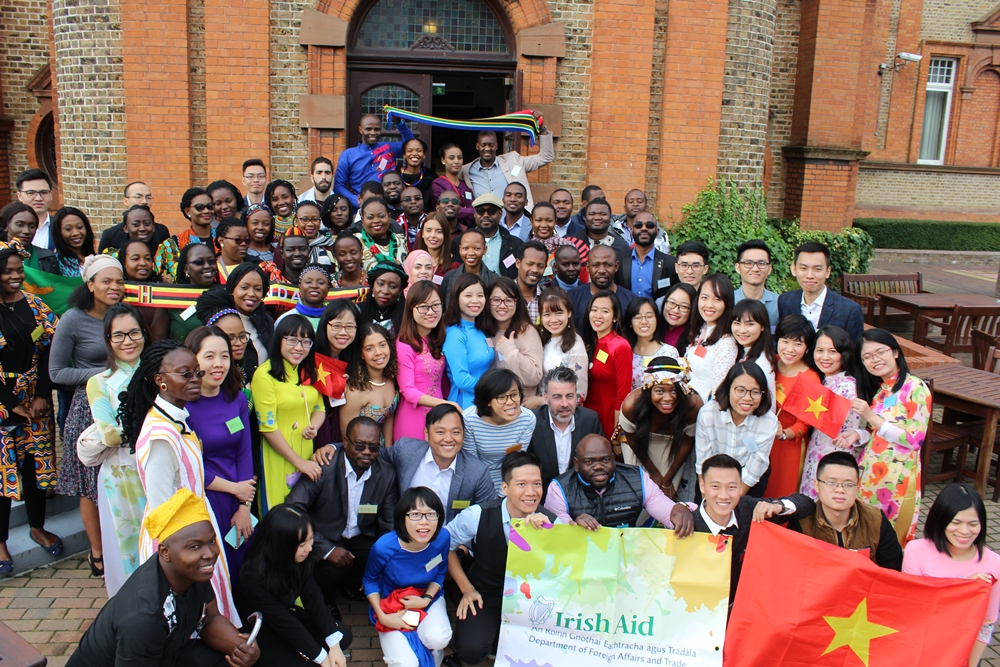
{"points": [[753, 263], [650, 272], [369, 160]]}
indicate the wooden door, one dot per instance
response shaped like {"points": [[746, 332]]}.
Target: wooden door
{"points": [[371, 90]]}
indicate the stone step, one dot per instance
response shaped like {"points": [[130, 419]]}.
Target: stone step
{"points": [[68, 525], [54, 504]]}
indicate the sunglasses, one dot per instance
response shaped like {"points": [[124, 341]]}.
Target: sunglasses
{"points": [[649, 224], [448, 200], [486, 209], [187, 375], [200, 207]]}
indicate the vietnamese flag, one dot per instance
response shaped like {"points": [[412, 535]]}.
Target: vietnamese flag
{"points": [[817, 406], [330, 380], [806, 603]]}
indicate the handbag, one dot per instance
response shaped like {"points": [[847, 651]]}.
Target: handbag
{"points": [[91, 450]]}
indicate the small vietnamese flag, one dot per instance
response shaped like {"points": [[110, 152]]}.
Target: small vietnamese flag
{"points": [[330, 380], [817, 406], [805, 603]]}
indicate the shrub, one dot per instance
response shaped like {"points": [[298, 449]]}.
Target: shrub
{"points": [[723, 216], [931, 234]]}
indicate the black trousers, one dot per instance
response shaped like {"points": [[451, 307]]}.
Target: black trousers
{"points": [[33, 497], [333, 579], [476, 636], [276, 652]]}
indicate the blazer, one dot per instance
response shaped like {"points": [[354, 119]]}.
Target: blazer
{"points": [[664, 273], [326, 501], [621, 247], [115, 237], [471, 482], [510, 245], [838, 311], [543, 440], [507, 161], [47, 260]]}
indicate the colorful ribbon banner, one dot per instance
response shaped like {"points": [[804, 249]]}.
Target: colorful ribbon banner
{"points": [[166, 295], [519, 121]]}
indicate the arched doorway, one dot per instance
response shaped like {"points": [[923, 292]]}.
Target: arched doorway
{"points": [[449, 58]]}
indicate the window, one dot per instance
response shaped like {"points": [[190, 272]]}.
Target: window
{"points": [[460, 26], [375, 99], [937, 109]]}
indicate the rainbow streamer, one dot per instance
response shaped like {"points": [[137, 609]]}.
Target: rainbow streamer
{"points": [[166, 295], [519, 121]]}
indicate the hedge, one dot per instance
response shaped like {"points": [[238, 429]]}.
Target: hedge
{"points": [[931, 234]]}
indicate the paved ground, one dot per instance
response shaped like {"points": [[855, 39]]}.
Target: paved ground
{"points": [[946, 277]]}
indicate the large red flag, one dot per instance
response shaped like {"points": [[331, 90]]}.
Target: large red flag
{"points": [[817, 406], [806, 603]]}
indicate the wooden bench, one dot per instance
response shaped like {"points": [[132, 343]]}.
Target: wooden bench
{"points": [[864, 288], [956, 330]]}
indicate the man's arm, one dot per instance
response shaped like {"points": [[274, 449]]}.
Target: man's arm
{"points": [[555, 502], [303, 495], [387, 508], [342, 180], [222, 636], [546, 154], [889, 554], [485, 490]]}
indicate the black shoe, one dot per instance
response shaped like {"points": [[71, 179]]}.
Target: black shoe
{"points": [[451, 661], [335, 611], [353, 595]]}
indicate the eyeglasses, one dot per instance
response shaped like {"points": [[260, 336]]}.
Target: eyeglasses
{"points": [[239, 240], [492, 210], [294, 342], [743, 391], [497, 301], [649, 224], [347, 328], [760, 264], [187, 375], [513, 397], [448, 200], [314, 219], [685, 266], [200, 207], [31, 194], [426, 308], [138, 197], [877, 353], [119, 336], [606, 460], [254, 177], [417, 516], [846, 486], [239, 338], [673, 305], [414, 198], [648, 317], [372, 447]]}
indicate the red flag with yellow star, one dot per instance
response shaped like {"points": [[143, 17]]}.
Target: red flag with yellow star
{"points": [[805, 603], [330, 380], [817, 406]]}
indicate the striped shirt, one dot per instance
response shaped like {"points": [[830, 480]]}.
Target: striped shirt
{"points": [[749, 442], [490, 443]]}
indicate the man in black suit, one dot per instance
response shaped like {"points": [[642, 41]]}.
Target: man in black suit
{"points": [[649, 272], [597, 221], [560, 423], [351, 506], [819, 304], [501, 246], [137, 193], [604, 267]]}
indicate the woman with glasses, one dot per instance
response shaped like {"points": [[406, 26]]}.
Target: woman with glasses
{"points": [[259, 220], [676, 310], [221, 419], [642, 331], [497, 424], [897, 408], [289, 410], [419, 350], [738, 421], [405, 572], [371, 380], [196, 206], [515, 339], [232, 240], [335, 335], [73, 239], [78, 353], [168, 453], [196, 266]]}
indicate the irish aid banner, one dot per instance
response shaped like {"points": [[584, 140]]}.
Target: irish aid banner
{"points": [[633, 596]]}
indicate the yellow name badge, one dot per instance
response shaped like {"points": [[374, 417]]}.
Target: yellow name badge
{"points": [[602, 356], [37, 333], [460, 504], [367, 509]]}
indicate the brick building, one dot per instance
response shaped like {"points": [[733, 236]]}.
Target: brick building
{"points": [[806, 96]]}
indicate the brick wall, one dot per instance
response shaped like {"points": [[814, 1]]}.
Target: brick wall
{"points": [[654, 134], [747, 88], [821, 192], [289, 79], [24, 35], [199, 120], [977, 130], [572, 92], [932, 195], [948, 20], [89, 70], [779, 127]]}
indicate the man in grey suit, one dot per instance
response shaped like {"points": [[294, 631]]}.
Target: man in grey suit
{"points": [[560, 424], [459, 479]]}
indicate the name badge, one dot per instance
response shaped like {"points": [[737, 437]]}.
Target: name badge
{"points": [[514, 448], [37, 333], [460, 504], [187, 313], [235, 425], [701, 351], [433, 563], [381, 164], [515, 170], [602, 356], [751, 444], [508, 261], [489, 343], [662, 283], [367, 509], [436, 279], [468, 195]]}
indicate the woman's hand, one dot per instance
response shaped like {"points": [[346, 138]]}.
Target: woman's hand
{"points": [[245, 490], [847, 440], [395, 621], [243, 522], [39, 406], [468, 603], [309, 432], [309, 468], [324, 454], [984, 576], [861, 407], [415, 602], [22, 411]]}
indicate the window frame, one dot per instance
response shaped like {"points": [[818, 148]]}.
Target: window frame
{"points": [[949, 90]]}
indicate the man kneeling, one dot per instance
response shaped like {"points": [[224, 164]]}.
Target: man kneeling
{"points": [[168, 599]]}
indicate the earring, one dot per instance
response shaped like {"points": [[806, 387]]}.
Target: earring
{"points": [[163, 387]]}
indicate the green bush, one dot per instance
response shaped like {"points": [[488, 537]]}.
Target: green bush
{"points": [[723, 216], [931, 234]]}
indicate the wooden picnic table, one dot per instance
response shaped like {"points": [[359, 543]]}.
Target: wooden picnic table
{"points": [[970, 391], [932, 304]]}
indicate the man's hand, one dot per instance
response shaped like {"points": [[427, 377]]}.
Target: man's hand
{"points": [[587, 521], [335, 656], [468, 603], [244, 655], [766, 509], [341, 557], [682, 519], [537, 519]]}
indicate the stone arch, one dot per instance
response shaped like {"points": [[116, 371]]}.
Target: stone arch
{"points": [[522, 14]]}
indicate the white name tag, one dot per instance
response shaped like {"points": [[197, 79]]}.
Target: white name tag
{"points": [[662, 282], [433, 563], [436, 279], [508, 261], [468, 195], [187, 313], [515, 170]]}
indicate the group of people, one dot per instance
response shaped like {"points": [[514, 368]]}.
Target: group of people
{"points": [[504, 358]]}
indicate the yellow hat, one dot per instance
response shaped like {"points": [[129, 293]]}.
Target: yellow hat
{"points": [[183, 509]]}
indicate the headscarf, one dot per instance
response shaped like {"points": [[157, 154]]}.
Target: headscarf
{"points": [[180, 511], [678, 373], [387, 267], [95, 263], [253, 208], [410, 260], [14, 246]]}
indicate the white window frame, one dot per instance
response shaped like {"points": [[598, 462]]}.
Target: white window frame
{"points": [[949, 89]]}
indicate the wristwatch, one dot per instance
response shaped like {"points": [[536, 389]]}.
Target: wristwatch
{"points": [[429, 597]]}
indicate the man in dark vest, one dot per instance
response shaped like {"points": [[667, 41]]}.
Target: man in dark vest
{"points": [[599, 492], [485, 529]]}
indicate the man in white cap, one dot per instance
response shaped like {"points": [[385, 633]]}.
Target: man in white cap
{"points": [[501, 246]]}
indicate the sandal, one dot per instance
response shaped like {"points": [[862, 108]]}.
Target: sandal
{"points": [[94, 562]]}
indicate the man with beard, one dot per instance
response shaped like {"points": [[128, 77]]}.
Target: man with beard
{"points": [[392, 188], [294, 249], [635, 202], [501, 246], [597, 226], [370, 159], [515, 198], [531, 261], [562, 202], [321, 173], [603, 267], [561, 423], [650, 272], [568, 265]]}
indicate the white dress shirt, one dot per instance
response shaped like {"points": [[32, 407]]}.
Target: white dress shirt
{"points": [[813, 310], [564, 442], [43, 235], [355, 487], [430, 475], [714, 527]]}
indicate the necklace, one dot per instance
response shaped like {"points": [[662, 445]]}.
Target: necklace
{"points": [[420, 177], [378, 384]]}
